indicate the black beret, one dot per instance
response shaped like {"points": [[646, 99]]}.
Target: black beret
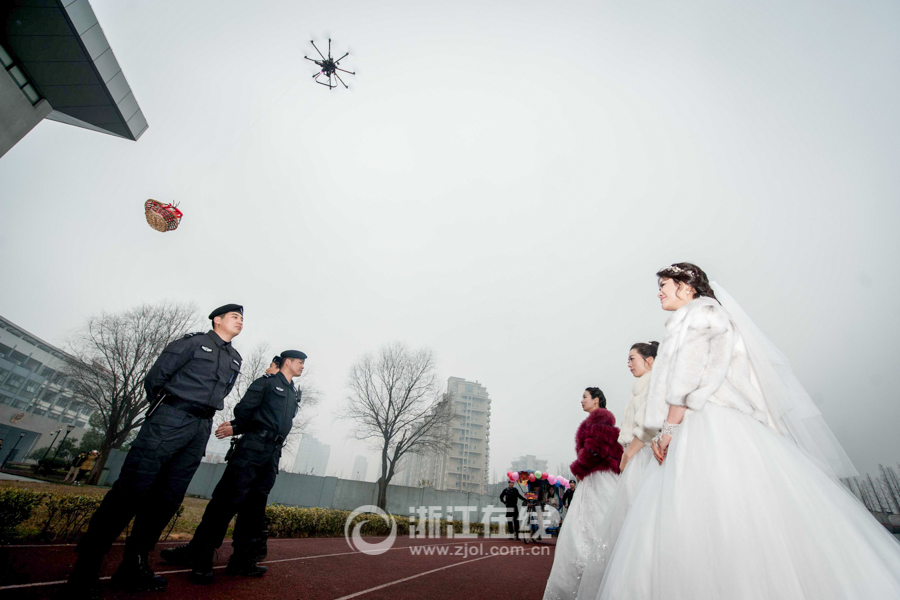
{"points": [[293, 354], [226, 309]]}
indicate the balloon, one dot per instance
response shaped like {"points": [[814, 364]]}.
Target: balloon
{"points": [[552, 480], [537, 474], [544, 475], [513, 475], [531, 477], [509, 474]]}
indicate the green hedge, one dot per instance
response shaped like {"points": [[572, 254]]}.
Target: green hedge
{"points": [[47, 517], [296, 522], [16, 507]]}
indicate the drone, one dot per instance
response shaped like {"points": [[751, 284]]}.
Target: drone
{"points": [[329, 67]]}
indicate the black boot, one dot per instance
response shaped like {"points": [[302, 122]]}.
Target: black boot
{"points": [[181, 556], [135, 575], [84, 582], [244, 565], [202, 571]]}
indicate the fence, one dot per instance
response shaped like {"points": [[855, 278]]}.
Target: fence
{"points": [[292, 489]]}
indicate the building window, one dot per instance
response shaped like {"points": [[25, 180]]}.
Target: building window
{"points": [[31, 388], [81, 424], [6, 399], [13, 382]]}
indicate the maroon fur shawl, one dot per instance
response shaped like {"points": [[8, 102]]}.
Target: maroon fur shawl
{"points": [[596, 444]]}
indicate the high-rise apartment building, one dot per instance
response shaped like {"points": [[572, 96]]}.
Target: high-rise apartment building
{"points": [[529, 462], [465, 465], [312, 456], [360, 468]]}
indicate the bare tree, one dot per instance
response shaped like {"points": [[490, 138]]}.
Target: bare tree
{"points": [[893, 480], [563, 470], [312, 394], [396, 403], [878, 493], [887, 488], [111, 356]]}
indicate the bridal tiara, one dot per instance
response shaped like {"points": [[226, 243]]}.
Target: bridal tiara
{"points": [[677, 270]]}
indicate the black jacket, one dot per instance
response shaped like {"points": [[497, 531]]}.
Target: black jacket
{"points": [[199, 368], [567, 497], [270, 404], [511, 497]]}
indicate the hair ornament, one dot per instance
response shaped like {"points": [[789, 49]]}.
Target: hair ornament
{"points": [[676, 270]]}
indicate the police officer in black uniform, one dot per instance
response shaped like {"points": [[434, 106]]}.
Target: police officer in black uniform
{"points": [[264, 416], [185, 387]]}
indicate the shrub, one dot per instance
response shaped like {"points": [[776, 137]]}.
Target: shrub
{"points": [[296, 522], [16, 507], [67, 516]]}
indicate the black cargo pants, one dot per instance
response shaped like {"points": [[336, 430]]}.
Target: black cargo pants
{"points": [[156, 474], [244, 488]]}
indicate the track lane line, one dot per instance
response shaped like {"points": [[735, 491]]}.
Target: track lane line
{"points": [[279, 560], [380, 587]]}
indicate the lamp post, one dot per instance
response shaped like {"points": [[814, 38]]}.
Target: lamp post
{"points": [[13, 449], [69, 429], [43, 458]]}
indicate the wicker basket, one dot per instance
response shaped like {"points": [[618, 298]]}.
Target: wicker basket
{"points": [[162, 217]]}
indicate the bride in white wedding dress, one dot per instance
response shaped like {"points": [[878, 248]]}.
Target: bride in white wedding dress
{"points": [[746, 504]]}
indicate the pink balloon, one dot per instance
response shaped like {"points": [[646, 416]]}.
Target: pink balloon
{"points": [[552, 480], [514, 475], [531, 477]]}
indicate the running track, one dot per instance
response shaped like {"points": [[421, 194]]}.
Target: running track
{"points": [[317, 569]]}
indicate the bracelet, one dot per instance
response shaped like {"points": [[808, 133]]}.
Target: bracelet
{"points": [[667, 429]]}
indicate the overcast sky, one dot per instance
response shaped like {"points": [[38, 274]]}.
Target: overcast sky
{"points": [[500, 185]]}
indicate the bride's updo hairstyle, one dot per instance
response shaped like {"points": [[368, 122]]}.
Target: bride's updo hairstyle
{"points": [[688, 274], [597, 394], [646, 349]]}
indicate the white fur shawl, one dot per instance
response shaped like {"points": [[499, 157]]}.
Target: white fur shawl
{"points": [[632, 425], [702, 358]]}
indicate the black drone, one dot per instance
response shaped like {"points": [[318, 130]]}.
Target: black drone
{"points": [[329, 67]]}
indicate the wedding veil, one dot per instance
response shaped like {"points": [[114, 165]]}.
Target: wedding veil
{"points": [[794, 412]]}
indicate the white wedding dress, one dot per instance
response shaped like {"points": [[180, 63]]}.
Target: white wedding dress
{"points": [[641, 466], [738, 511], [579, 535], [636, 472]]}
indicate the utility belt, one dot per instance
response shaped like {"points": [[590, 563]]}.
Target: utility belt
{"points": [[259, 436], [266, 435], [192, 408]]}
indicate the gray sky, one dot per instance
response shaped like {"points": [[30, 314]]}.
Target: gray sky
{"points": [[500, 185]]}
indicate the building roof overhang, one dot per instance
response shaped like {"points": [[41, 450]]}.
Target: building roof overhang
{"points": [[61, 47]]}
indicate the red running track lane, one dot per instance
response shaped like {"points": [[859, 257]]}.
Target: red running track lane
{"points": [[319, 569]]}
